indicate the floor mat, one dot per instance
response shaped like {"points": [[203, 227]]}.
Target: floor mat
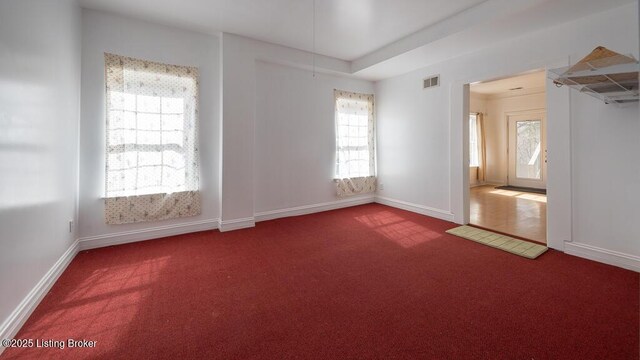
{"points": [[499, 241]]}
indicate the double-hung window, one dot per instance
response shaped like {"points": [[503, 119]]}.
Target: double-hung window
{"points": [[152, 170], [355, 143]]}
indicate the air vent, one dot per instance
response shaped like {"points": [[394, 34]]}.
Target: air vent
{"points": [[431, 81]]}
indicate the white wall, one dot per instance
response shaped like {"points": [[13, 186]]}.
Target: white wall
{"points": [[39, 113], [102, 32], [497, 108], [243, 173], [295, 136], [421, 152]]}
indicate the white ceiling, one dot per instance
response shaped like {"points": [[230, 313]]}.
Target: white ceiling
{"points": [[528, 82], [479, 28], [376, 39], [345, 29]]}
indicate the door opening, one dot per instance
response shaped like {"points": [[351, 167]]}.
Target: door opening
{"points": [[507, 156]]}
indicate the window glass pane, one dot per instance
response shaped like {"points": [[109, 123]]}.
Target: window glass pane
{"points": [[172, 105], [116, 119], [172, 137], [528, 141], [149, 137], [116, 100], [116, 137], [473, 140], [148, 121], [173, 159], [172, 122], [130, 136], [148, 104], [149, 158], [116, 161], [130, 159]]}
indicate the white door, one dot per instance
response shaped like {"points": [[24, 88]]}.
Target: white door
{"points": [[527, 150]]}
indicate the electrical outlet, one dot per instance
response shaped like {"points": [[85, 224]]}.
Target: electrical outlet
{"points": [[381, 187], [70, 226]]}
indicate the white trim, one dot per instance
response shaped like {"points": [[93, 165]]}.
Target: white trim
{"points": [[615, 258], [236, 224], [313, 208], [124, 237], [420, 209], [14, 322]]}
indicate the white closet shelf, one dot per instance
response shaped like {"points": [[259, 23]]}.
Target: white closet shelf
{"points": [[603, 74]]}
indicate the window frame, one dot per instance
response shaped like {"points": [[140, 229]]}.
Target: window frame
{"points": [[186, 127], [354, 113]]}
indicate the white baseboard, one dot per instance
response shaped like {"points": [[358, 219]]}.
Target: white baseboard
{"points": [[98, 241], [237, 224], [14, 322], [420, 209], [626, 261], [314, 208]]}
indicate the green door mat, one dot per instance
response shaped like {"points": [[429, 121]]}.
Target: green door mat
{"points": [[499, 241]]}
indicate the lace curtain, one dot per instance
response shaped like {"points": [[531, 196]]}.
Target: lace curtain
{"points": [[355, 143], [152, 165]]}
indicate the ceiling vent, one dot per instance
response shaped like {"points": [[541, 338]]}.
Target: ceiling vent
{"points": [[431, 81]]}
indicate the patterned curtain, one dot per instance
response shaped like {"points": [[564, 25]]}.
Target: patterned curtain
{"points": [[152, 165], [355, 143]]}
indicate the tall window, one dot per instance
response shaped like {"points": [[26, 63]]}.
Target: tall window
{"points": [[474, 159], [355, 141], [151, 140]]}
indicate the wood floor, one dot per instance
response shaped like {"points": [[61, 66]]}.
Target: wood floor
{"points": [[511, 212]]}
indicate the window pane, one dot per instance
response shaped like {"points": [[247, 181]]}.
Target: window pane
{"points": [[473, 140], [116, 119], [148, 104], [528, 141], [148, 121], [172, 105], [149, 137], [172, 137], [172, 122], [149, 158]]}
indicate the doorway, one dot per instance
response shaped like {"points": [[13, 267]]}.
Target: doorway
{"points": [[507, 152]]}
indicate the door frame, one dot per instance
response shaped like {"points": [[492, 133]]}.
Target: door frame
{"points": [[543, 134], [559, 203]]}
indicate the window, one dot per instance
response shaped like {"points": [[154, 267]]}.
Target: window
{"points": [[151, 136], [474, 160], [355, 153]]}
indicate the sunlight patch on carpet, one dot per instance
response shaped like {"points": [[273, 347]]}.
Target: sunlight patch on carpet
{"points": [[499, 241]]}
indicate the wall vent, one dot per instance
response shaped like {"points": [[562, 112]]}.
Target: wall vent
{"points": [[431, 81]]}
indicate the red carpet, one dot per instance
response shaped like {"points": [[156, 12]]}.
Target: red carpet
{"points": [[364, 282]]}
